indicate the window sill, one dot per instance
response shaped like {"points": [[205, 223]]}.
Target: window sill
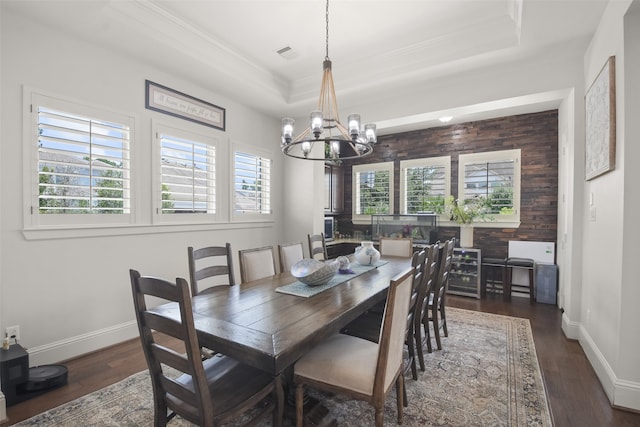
{"points": [[73, 232]]}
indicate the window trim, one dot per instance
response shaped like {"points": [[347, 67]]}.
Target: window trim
{"points": [[32, 219], [504, 221], [441, 161], [193, 133], [376, 167], [240, 217]]}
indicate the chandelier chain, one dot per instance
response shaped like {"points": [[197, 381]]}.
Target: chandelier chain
{"points": [[326, 56]]}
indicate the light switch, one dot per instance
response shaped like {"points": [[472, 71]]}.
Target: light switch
{"points": [[592, 213]]}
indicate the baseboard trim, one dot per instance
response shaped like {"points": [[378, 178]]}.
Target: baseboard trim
{"points": [[571, 329], [58, 351], [621, 393]]}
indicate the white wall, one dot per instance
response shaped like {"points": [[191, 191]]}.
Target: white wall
{"points": [[72, 295], [628, 369], [609, 317]]}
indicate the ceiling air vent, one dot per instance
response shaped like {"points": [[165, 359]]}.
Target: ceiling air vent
{"points": [[287, 52]]}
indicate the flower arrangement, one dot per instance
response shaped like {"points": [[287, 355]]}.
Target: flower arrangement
{"points": [[468, 211]]}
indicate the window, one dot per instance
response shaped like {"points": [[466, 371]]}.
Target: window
{"points": [[372, 191], [187, 165], [252, 185], [81, 163], [494, 175], [424, 184]]}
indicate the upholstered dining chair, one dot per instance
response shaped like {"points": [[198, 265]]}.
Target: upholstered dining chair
{"points": [[396, 246], [317, 246], [359, 368], [207, 392], [437, 301], [212, 265], [257, 263], [289, 254], [368, 325]]}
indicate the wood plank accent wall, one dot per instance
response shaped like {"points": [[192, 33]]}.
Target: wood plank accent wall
{"points": [[535, 134]]}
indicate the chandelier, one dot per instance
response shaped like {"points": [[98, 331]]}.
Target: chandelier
{"points": [[338, 142]]}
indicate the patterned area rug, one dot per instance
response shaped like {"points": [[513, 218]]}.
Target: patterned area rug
{"points": [[486, 375]]}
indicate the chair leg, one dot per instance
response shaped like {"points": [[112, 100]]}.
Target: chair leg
{"points": [[299, 405], [532, 297], [380, 416], [412, 356], [400, 386], [436, 326], [427, 334], [443, 319], [405, 399], [418, 340]]}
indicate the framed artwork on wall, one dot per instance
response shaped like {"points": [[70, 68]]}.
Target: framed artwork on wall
{"points": [[168, 101], [600, 120]]}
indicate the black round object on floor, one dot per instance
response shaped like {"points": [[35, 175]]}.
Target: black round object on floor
{"points": [[45, 377]]}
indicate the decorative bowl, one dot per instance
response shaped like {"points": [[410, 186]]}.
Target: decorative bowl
{"points": [[313, 272]]}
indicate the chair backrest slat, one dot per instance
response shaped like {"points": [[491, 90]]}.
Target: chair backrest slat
{"points": [[214, 263], [317, 247]]}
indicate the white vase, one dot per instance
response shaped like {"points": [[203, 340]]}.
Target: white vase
{"points": [[366, 254], [466, 236]]}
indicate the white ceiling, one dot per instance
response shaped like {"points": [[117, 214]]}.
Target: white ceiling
{"points": [[231, 45]]}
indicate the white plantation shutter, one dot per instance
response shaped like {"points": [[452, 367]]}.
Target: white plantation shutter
{"points": [[424, 185], [372, 190], [188, 170], [252, 184], [83, 164], [494, 175]]}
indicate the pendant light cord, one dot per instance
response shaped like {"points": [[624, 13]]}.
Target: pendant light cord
{"points": [[326, 57]]}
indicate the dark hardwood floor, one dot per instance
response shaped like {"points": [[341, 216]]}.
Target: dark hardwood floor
{"points": [[575, 394]]}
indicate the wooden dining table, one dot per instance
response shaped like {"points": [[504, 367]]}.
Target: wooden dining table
{"points": [[269, 330]]}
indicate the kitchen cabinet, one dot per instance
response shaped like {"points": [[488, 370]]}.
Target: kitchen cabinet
{"points": [[333, 188]]}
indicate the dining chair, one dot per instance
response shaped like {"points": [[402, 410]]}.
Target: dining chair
{"points": [[289, 254], [421, 329], [396, 246], [368, 325], [207, 392], [437, 300], [257, 263], [317, 246], [359, 368], [212, 266]]}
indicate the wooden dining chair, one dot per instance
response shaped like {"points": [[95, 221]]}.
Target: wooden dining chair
{"points": [[396, 246], [206, 393], [369, 325], [358, 368], [257, 263], [289, 254], [437, 301], [421, 330], [317, 246], [212, 266]]}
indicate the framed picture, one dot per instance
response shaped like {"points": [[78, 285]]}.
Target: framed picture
{"points": [[168, 101], [600, 107]]}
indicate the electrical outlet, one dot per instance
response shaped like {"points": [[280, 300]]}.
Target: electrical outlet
{"points": [[13, 332]]}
